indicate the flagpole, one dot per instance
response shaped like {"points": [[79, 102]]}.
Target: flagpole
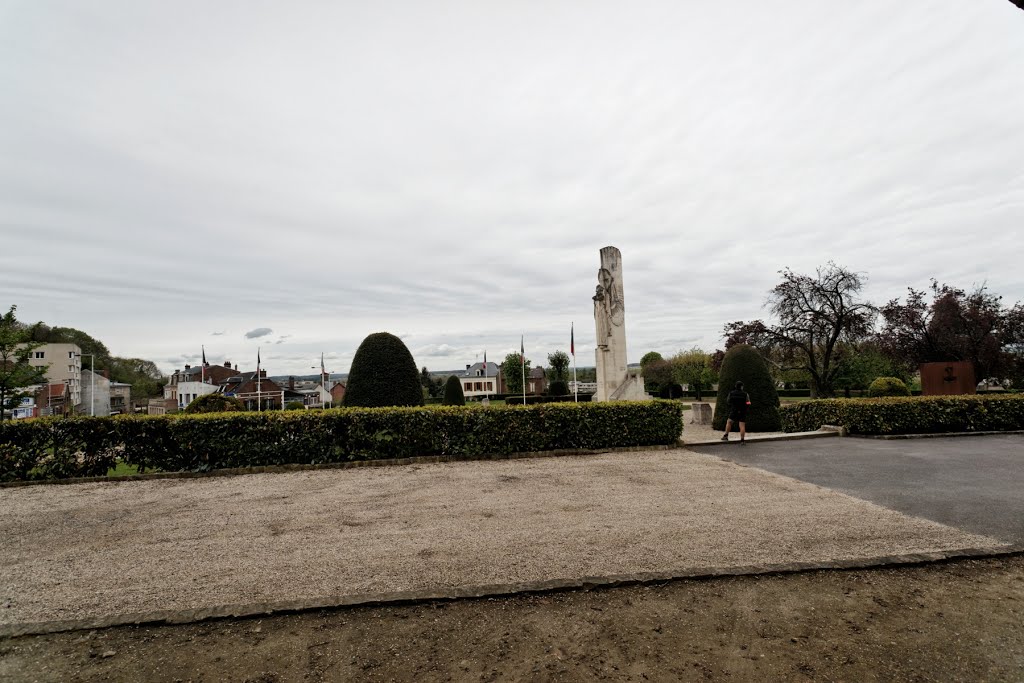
{"points": [[259, 385], [572, 348], [522, 357]]}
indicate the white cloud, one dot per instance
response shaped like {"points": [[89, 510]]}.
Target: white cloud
{"points": [[449, 173]]}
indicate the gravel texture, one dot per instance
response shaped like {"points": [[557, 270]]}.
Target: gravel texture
{"points": [[91, 550]]}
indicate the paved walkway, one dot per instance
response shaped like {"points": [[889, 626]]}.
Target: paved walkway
{"points": [[974, 483], [92, 551]]}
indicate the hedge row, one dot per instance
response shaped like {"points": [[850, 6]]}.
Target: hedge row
{"points": [[911, 415], [90, 446]]}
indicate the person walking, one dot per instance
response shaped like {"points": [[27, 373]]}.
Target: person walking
{"points": [[738, 401]]}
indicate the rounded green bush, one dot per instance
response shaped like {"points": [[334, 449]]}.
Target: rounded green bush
{"points": [[453, 395], [743, 363], [888, 386], [294, 405], [214, 403], [383, 374]]}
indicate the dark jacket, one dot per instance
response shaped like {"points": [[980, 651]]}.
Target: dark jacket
{"points": [[738, 401]]}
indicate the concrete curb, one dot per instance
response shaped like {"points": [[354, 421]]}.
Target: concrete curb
{"points": [[167, 617], [940, 435], [795, 436], [298, 467]]}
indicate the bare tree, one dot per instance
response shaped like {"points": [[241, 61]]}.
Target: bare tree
{"points": [[818, 316]]}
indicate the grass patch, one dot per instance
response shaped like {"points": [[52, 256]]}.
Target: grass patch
{"points": [[122, 470]]}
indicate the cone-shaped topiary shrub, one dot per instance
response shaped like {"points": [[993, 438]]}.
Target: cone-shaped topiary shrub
{"points": [[742, 363], [383, 373], [888, 386], [453, 395], [214, 403]]}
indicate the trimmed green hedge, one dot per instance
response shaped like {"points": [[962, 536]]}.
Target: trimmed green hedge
{"points": [[90, 446], [911, 415]]}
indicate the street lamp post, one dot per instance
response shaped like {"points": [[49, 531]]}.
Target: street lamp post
{"points": [[92, 382]]}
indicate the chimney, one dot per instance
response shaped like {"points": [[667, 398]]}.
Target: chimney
{"points": [[227, 364], [105, 373], [263, 374], [467, 367], [291, 382], [187, 366]]}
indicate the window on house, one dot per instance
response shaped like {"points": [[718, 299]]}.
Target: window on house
{"points": [[40, 354], [468, 386], [71, 354]]}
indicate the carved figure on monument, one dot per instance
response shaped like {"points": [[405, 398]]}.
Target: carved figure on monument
{"points": [[602, 317], [614, 380]]}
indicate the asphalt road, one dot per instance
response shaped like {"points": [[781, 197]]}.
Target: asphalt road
{"points": [[974, 483]]}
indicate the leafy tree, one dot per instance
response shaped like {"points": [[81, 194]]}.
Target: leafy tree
{"points": [[649, 358], [144, 376], [586, 374], [453, 395], [693, 367], [559, 362], [433, 387], [862, 364], [956, 325], [16, 347], [818, 318], [512, 369], [743, 363], [383, 373], [659, 376], [215, 403]]}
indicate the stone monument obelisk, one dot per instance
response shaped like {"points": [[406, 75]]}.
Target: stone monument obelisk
{"points": [[614, 382]]}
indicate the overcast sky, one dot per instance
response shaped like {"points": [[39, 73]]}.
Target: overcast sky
{"points": [[297, 175]]}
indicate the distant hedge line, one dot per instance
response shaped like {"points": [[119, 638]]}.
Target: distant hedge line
{"points": [[89, 446], [911, 415]]}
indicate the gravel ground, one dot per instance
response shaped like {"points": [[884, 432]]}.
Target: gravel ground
{"points": [[92, 550]]}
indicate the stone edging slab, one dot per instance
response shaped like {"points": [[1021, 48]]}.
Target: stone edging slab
{"points": [[794, 436], [167, 617], [299, 467]]}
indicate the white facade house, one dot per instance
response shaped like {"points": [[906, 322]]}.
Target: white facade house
{"points": [[190, 391], [480, 381]]}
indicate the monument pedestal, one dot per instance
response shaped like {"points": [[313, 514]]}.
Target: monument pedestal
{"points": [[701, 414]]}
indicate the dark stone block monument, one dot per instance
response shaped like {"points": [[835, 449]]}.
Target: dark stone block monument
{"points": [[948, 379]]}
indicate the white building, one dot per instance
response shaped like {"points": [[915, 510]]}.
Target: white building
{"points": [[190, 391]]}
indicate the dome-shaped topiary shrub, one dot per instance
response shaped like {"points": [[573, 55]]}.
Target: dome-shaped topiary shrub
{"points": [[888, 386], [743, 363], [383, 373], [453, 395], [214, 403]]}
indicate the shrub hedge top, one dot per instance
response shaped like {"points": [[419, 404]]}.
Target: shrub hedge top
{"points": [[908, 415], [214, 403], [888, 386], [453, 395], [743, 363], [383, 374]]}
